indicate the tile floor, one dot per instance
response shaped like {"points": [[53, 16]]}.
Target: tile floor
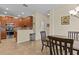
{"points": [[10, 47]]}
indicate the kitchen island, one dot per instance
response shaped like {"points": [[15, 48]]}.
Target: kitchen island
{"points": [[23, 35]]}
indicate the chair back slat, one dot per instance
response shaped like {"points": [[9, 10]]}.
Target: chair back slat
{"points": [[56, 47], [53, 48], [73, 35], [65, 48], [60, 46], [71, 50]]}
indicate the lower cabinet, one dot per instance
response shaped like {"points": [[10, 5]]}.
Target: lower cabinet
{"points": [[15, 35], [3, 35]]}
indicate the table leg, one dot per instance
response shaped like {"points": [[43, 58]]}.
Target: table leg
{"points": [[50, 47]]}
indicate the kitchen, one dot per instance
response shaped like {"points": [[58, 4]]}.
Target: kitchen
{"points": [[10, 26]]}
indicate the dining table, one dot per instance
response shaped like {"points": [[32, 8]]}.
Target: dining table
{"points": [[75, 43]]}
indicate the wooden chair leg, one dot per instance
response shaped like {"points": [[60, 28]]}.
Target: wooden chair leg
{"points": [[68, 50], [77, 52], [42, 48]]}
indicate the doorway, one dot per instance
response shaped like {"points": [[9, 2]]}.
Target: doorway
{"points": [[10, 30]]}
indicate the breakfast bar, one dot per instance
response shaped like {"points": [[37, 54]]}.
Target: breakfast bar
{"points": [[23, 35]]}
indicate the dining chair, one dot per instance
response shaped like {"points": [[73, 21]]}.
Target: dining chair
{"points": [[73, 35], [61, 46], [44, 41]]}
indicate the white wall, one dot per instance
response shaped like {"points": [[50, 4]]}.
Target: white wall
{"points": [[51, 22], [55, 26], [40, 21]]}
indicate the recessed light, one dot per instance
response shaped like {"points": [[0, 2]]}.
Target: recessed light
{"points": [[18, 15], [48, 14], [7, 8], [5, 12], [22, 13]]}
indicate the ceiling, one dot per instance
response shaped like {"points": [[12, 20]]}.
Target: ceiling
{"points": [[21, 10]]}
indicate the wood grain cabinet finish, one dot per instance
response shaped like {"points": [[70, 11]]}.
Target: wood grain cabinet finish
{"points": [[15, 35], [19, 22], [3, 35]]}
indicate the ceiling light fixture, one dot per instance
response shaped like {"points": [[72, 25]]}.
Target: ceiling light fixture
{"points": [[22, 13], [5, 12], [18, 15], [48, 14], [74, 12], [7, 8], [77, 9]]}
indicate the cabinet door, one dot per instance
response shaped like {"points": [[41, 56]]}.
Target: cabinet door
{"points": [[29, 23], [3, 35]]}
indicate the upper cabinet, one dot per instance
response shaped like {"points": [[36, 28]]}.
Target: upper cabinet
{"points": [[28, 21], [19, 22]]}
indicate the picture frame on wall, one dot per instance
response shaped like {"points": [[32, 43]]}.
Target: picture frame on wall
{"points": [[65, 20]]}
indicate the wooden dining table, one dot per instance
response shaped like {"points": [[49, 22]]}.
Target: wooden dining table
{"points": [[75, 44]]}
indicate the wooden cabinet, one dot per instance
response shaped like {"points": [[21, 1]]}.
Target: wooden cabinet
{"points": [[15, 35], [19, 22], [27, 21], [16, 23], [3, 35], [24, 22]]}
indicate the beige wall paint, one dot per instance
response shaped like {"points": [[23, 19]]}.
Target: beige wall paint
{"points": [[55, 21]]}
